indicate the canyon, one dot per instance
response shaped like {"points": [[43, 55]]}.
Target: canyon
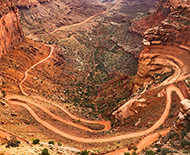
{"points": [[110, 77]]}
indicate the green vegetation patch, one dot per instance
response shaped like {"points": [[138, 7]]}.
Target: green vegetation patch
{"points": [[36, 141], [45, 152]]}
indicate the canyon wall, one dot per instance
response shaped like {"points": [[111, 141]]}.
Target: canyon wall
{"points": [[172, 32], [173, 29], [10, 30], [169, 24]]}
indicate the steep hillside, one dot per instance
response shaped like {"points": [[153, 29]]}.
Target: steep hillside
{"points": [[163, 76], [172, 24], [80, 76], [171, 27], [10, 30]]}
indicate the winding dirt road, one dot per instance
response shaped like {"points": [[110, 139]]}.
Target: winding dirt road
{"points": [[106, 124], [169, 91], [7, 135], [180, 65], [153, 137], [29, 69], [14, 99], [181, 72], [150, 139], [87, 20], [161, 59]]}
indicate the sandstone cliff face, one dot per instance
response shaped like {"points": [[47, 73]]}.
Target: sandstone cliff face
{"points": [[173, 30], [10, 31]]}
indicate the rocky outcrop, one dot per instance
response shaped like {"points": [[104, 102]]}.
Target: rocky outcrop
{"points": [[26, 3], [174, 29], [169, 24], [180, 3], [10, 30], [140, 26]]}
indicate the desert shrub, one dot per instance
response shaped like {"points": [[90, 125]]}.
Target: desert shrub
{"points": [[186, 152], [185, 143], [149, 152], [45, 152], [36, 141], [59, 144], [183, 133], [13, 143], [164, 151], [85, 152], [3, 93], [51, 142], [173, 134], [134, 153]]}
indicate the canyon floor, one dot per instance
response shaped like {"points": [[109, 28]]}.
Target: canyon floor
{"points": [[85, 80]]}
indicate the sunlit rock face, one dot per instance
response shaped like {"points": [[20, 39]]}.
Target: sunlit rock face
{"points": [[178, 3], [10, 31], [26, 3], [173, 29]]}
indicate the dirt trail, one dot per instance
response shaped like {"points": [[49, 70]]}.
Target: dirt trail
{"points": [[11, 99], [166, 59], [164, 55], [75, 25], [26, 72], [85, 21], [148, 140], [84, 140], [153, 137], [180, 73], [106, 124], [4, 134], [169, 91], [7, 135]]}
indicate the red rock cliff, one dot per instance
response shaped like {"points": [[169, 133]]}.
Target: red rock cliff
{"points": [[10, 30], [172, 32]]}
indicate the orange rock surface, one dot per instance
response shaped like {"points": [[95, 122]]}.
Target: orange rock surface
{"points": [[182, 3], [10, 31], [26, 3]]}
